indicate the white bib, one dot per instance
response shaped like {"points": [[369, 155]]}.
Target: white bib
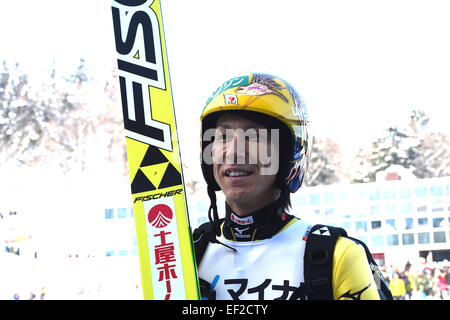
{"points": [[259, 270]]}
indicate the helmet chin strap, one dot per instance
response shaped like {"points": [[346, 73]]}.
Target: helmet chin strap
{"points": [[214, 217]]}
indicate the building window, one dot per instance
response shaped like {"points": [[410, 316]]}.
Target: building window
{"points": [[346, 225], [363, 239], [360, 213], [408, 238], [408, 223], [202, 219], [390, 208], [377, 240], [123, 253], [422, 222], [343, 197], [391, 224], [121, 213], [376, 225], [389, 194], [439, 236], [314, 198], [405, 193], [437, 206], [329, 211], [109, 213], [374, 195], [301, 200], [358, 195], [447, 187], [424, 237], [375, 209], [392, 239], [201, 207], [422, 208], [436, 191], [420, 192], [406, 207], [329, 198], [438, 222], [361, 226], [131, 212], [314, 212], [110, 253]]}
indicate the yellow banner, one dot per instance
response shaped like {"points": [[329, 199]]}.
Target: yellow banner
{"points": [[164, 238]]}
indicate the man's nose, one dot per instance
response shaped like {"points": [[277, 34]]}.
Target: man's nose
{"points": [[235, 149]]}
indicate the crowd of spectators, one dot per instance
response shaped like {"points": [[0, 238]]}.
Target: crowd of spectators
{"points": [[420, 280]]}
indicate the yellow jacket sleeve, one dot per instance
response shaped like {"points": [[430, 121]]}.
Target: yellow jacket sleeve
{"points": [[352, 277]]}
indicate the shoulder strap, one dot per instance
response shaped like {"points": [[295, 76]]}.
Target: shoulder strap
{"points": [[318, 261], [318, 264], [382, 285], [201, 237]]}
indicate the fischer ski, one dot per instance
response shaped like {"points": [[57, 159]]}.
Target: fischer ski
{"points": [[164, 237]]}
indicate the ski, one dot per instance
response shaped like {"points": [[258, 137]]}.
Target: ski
{"points": [[163, 233]]}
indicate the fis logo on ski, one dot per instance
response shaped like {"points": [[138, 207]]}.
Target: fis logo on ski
{"points": [[141, 66]]}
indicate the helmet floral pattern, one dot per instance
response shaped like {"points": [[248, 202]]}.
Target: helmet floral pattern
{"points": [[262, 84]]}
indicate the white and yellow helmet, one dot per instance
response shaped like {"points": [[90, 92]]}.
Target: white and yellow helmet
{"points": [[272, 99]]}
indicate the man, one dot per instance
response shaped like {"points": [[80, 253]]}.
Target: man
{"points": [[255, 149], [397, 286]]}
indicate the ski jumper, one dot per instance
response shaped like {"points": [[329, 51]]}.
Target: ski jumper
{"points": [[267, 260]]}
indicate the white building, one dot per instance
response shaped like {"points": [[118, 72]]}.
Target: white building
{"points": [[399, 218]]}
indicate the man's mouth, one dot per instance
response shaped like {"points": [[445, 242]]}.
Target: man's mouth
{"points": [[237, 173]]}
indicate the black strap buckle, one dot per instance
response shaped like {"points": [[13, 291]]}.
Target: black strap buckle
{"points": [[318, 256]]}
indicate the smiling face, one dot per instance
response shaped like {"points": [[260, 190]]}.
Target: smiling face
{"points": [[239, 163]]}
